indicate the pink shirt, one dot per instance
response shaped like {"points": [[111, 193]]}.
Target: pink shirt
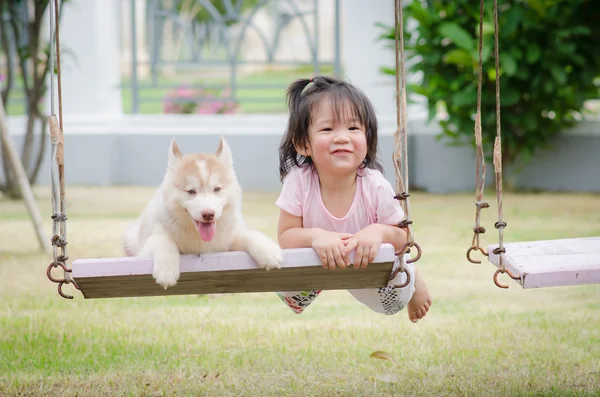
{"points": [[373, 201]]}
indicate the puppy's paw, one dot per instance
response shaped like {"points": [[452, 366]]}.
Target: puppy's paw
{"points": [[166, 269], [266, 253]]}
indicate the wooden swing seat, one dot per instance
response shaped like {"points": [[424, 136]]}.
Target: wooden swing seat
{"points": [[552, 263], [227, 272]]}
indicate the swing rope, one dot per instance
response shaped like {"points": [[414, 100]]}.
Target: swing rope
{"points": [[59, 217], [500, 224], [400, 156], [480, 159], [497, 158]]}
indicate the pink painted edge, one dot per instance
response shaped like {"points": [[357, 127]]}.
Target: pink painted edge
{"points": [[562, 279], [237, 260]]}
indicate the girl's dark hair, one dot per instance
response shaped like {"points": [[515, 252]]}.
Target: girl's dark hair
{"points": [[301, 104]]}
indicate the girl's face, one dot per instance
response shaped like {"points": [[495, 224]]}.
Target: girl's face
{"points": [[336, 147]]}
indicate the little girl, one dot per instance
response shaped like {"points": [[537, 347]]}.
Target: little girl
{"points": [[334, 197]]}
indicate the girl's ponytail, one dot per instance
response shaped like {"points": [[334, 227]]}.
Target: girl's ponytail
{"points": [[294, 95]]}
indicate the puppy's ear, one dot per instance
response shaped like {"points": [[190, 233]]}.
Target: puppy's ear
{"points": [[174, 154], [224, 152]]}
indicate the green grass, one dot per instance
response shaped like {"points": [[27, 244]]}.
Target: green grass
{"points": [[476, 340], [251, 100]]}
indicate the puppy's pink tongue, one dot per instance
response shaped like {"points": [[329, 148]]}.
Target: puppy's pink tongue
{"points": [[206, 230]]}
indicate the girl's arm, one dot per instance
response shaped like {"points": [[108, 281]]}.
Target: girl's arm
{"points": [[291, 234], [367, 242], [391, 234], [329, 246]]}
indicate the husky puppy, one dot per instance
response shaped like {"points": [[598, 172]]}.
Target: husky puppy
{"points": [[195, 210]]}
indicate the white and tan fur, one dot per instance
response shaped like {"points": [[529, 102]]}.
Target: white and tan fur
{"points": [[196, 187]]}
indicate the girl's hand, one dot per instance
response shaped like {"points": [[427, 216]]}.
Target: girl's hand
{"points": [[330, 248], [367, 243]]}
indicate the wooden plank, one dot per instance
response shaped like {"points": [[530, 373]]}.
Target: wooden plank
{"points": [[227, 272], [551, 263]]}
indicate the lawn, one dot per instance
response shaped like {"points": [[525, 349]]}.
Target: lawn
{"points": [[476, 340], [258, 92]]}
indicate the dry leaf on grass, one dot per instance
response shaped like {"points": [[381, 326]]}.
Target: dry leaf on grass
{"points": [[380, 354]]}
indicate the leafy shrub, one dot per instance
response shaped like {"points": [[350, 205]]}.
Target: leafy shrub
{"points": [[549, 58]]}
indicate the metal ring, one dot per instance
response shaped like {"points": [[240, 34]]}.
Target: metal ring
{"points": [[499, 224], [404, 223], [479, 229], [402, 196], [499, 250]]}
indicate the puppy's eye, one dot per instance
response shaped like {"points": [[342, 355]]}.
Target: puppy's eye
{"points": [[191, 192], [217, 189]]}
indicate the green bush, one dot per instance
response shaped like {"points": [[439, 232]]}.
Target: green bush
{"points": [[549, 58]]}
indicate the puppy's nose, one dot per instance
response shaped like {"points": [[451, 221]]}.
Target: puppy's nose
{"points": [[208, 215]]}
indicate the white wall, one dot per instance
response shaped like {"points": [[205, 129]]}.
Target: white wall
{"points": [[90, 59]]}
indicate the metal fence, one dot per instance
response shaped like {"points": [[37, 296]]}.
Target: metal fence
{"points": [[223, 56]]}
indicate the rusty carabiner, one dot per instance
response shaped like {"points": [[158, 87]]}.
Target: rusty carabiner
{"points": [[475, 249], [507, 272]]}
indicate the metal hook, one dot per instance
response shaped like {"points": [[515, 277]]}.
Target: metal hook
{"points": [[504, 271], [54, 265], [61, 293], [405, 283], [475, 249], [416, 258], [406, 249], [61, 281]]}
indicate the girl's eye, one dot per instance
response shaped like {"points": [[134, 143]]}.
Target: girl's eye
{"points": [[326, 129], [191, 192], [354, 128], [217, 189]]}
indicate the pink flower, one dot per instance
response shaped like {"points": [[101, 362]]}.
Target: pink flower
{"points": [[185, 92], [185, 99]]}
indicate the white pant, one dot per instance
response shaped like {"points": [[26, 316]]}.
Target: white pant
{"points": [[387, 300]]}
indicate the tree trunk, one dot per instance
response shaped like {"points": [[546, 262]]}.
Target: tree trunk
{"points": [[28, 142], [41, 151], [9, 178], [34, 70]]}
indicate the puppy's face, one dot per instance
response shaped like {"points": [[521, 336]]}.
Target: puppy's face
{"points": [[202, 184]]}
